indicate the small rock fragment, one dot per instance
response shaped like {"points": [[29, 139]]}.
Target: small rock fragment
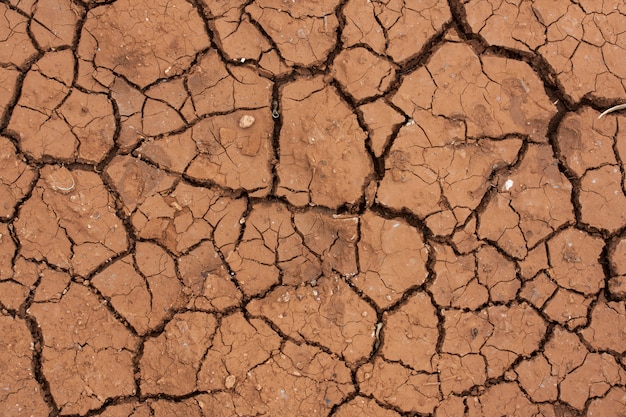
{"points": [[246, 121], [61, 180], [230, 381]]}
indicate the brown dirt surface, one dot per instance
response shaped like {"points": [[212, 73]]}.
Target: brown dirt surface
{"points": [[312, 208]]}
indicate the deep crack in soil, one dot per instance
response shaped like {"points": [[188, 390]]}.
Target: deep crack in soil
{"points": [[312, 208]]}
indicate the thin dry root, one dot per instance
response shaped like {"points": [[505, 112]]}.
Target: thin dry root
{"points": [[612, 109]]}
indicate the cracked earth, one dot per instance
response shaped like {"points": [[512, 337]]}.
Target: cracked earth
{"points": [[312, 208]]}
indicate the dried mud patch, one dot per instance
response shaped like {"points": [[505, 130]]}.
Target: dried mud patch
{"points": [[312, 208]]}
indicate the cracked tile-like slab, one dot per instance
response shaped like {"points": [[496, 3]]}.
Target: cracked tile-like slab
{"points": [[392, 259], [87, 355], [329, 314], [495, 96], [235, 33], [234, 151], [269, 249], [302, 380], [459, 373], [588, 148], [535, 377], [55, 22], [488, 332], [16, 178], [399, 28], [578, 40], [612, 404], [502, 399], [208, 284], [362, 74], [513, 24], [448, 175], [17, 46], [70, 221], [20, 390], [323, 160], [381, 120], [455, 283], [183, 217], [533, 202], [568, 308], [171, 361], [607, 328], [401, 387], [574, 257], [303, 32], [7, 252], [592, 379], [143, 41], [216, 87], [142, 288], [53, 120], [411, 334], [240, 345]]}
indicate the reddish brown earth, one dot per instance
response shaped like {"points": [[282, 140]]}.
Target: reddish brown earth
{"points": [[312, 208]]}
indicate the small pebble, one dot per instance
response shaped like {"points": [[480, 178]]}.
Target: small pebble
{"points": [[61, 179], [246, 121], [230, 381]]}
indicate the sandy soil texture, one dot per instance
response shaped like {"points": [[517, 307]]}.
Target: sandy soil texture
{"points": [[312, 208]]}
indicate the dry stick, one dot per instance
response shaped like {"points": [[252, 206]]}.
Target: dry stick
{"points": [[612, 109]]}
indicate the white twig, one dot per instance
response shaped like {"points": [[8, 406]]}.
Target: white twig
{"points": [[612, 109]]}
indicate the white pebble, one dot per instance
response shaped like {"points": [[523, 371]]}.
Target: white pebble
{"points": [[246, 121]]}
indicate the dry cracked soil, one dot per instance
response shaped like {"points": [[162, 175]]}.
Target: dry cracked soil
{"points": [[312, 208]]}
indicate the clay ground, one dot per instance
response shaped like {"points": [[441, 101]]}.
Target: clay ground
{"points": [[312, 208]]}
